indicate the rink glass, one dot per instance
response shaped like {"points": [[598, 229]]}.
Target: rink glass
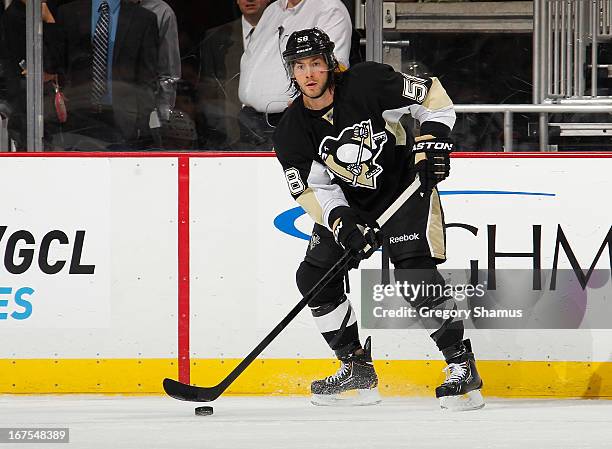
{"points": [[482, 60]]}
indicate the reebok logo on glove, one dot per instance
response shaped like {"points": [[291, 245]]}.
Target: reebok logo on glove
{"points": [[404, 238]]}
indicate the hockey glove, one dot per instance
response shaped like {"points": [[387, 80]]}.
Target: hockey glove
{"points": [[353, 234], [432, 159]]}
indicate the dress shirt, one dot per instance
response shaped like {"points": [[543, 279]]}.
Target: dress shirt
{"points": [[114, 6], [264, 84], [247, 31]]}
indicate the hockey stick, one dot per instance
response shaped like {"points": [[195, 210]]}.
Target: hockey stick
{"points": [[358, 163], [185, 392]]}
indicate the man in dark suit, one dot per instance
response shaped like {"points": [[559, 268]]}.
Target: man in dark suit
{"points": [[119, 118], [220, 53]]}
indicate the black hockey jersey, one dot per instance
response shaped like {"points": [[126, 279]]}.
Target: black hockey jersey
{"points": [[354, 152]]}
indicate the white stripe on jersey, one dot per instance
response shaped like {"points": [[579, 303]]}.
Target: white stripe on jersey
{"points": [[421, 114], [328, 195]]}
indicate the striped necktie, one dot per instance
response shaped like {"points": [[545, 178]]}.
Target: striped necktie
{"points": [[100, 55]]}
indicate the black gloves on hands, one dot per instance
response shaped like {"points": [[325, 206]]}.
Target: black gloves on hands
{"points": [[353, 234], [432, 159]]}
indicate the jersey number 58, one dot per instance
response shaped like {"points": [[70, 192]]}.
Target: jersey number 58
{"points": [[414, 88], [294, 181]]}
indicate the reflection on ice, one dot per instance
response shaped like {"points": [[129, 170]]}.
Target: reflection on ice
{"points": [[282, 422]]}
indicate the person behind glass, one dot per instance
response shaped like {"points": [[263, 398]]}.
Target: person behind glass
{"points": [[168, 65], [13, 57], [110, 58], [263, 88], [220, 53]]}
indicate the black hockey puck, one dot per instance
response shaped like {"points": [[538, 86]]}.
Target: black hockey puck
{"points": [[204, 411]]}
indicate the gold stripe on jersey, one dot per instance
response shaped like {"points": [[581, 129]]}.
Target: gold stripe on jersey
{"points": [[425, 137], [398, 131], [435, 227], [420, 156], [308, 201], [437, 98]]}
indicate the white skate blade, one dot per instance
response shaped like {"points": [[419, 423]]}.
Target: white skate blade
{"points": [[469, 401], [348, 398]]}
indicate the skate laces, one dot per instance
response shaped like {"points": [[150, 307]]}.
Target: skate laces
{"points": [[344, 369], [455, 372]]}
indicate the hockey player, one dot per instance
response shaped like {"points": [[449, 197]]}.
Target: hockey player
{"points": [[346, 159]]}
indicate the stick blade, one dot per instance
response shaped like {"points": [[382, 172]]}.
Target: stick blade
{"points": [[191, 393]]}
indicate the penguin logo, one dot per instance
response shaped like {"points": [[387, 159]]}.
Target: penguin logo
{"points": [[352, 155]]}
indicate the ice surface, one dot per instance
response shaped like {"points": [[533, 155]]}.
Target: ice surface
{"points": [[117, 422]]}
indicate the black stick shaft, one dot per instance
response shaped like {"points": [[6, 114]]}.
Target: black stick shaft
{"points": [[312, 293]]}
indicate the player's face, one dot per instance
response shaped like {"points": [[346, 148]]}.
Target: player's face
{"points": [[311, 74]]}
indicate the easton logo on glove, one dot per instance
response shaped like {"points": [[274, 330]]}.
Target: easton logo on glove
{"points": [[436, 145], [432, 157]]}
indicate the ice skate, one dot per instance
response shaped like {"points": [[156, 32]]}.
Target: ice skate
{"points": [[461, 389], [355, 383]]}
